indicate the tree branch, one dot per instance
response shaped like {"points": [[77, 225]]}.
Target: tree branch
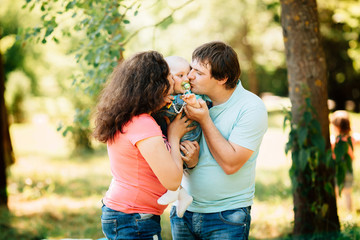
{"points": [[156, 24]]}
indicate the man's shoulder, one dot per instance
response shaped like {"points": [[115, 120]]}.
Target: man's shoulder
{"points": [[247, 99]]}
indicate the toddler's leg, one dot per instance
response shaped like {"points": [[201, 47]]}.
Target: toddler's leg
{"points": [[168, 197], [184, 201]]}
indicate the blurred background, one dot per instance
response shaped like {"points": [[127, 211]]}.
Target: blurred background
{"points": [[54, 69]]}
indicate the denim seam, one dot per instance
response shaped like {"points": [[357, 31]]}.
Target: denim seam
{"points": [[114, 224]]}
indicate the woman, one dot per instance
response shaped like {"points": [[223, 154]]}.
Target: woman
{"points": [[141, 165]]}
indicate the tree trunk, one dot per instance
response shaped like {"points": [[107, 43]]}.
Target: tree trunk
{"points": [[307, 75], [6, 154], [248, 50]]}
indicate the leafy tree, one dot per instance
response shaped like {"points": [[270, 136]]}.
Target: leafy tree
{"points": [[340, 27], [312, 171], [7, 28], [252, 28], [100, 28], [100, 25], [14, 60]]}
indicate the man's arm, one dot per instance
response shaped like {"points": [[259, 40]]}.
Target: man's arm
{"points": [[230, 156]]}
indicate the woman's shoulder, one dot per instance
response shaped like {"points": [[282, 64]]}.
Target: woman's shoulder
{"points": [[142, 126], [143, 117], [142, 120]]}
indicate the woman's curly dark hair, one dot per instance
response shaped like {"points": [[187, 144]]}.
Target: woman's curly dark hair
{"points": [[137, 85]]}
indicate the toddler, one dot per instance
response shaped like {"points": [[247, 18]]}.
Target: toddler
{"points": [[179, 68]]}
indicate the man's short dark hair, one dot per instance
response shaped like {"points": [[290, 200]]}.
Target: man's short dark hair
{"points": [[222, 59]]}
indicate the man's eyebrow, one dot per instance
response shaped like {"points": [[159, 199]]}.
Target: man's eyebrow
{"points": [[196, 69]]}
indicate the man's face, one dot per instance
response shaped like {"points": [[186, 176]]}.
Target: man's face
{"points": [[200, 78]]}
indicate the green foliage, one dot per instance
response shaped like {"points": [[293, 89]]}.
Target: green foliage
{"points": [[100, 28], [340, 28], [311, 159], [17, 92], [308, 152], [351, 231], [343, 161], [274, 81], [20, 83], [100, 24], [271, 186]]}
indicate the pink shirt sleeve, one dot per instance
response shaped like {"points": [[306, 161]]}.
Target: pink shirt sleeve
{"points": [[142, 127]]}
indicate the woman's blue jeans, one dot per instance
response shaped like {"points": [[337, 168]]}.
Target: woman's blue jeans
{"points": [[118, 225], [226, 225]]}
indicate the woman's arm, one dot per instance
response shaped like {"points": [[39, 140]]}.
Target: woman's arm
{"points": [[167, 168], [165, 165]]}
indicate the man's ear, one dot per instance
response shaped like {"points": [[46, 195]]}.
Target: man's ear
{"points": [[222, 81]]}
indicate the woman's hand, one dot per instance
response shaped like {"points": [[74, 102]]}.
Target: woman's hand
{"points": [[191, 151], [178, 127]]}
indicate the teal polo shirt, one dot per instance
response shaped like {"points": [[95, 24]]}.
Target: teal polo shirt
{"points": [[242, 120]]}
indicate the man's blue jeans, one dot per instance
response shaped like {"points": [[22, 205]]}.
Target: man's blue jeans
{"points": [[226, 225], [118, 225]]}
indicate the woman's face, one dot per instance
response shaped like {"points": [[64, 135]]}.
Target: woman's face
{"points": [[168, 97]]}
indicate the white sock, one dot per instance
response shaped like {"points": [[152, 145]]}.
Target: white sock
{"points": [[168, 197], [184, 201]]}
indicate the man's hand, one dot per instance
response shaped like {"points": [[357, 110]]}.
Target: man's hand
{"points": [[200, 114], [191, 151], [191, 100]]}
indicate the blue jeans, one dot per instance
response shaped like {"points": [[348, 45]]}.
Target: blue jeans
{"points": [[226, 225], [118, 225]]}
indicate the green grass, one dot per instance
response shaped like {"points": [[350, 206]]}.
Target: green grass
{"points": [[54, 194]]}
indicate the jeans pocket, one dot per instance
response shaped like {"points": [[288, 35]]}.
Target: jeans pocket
{"points": [[109, 228], [239, 217], [173, 212]]}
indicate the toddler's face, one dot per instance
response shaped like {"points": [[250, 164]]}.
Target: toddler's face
{"points": [[179, 76]]}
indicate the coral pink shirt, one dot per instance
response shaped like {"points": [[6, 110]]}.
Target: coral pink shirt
{"points": [[134, 187]]}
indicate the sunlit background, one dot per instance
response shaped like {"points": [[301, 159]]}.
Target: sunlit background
{"points": [[60, 174]]}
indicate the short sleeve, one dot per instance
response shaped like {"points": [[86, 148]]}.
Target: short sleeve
{"points": [[142, 127], [250, 128]]}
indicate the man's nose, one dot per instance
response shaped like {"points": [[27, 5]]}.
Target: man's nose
{"points": [[190, 76]]}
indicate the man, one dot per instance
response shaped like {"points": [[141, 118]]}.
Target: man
{"points": [[223, 182]]}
